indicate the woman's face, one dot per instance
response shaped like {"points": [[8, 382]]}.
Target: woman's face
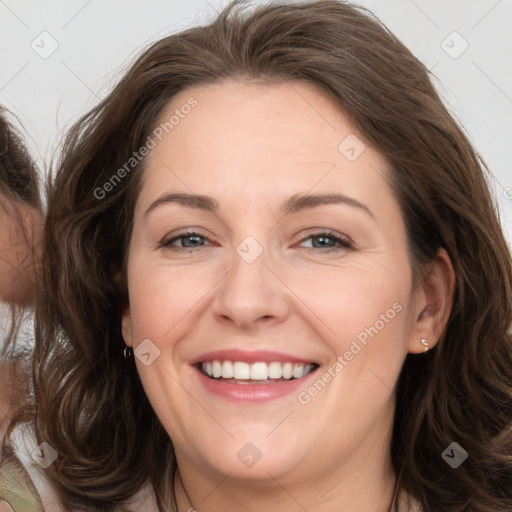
{"points": [[297, 266]]}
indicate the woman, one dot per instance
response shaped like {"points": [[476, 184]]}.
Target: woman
{"points": [[20, 231], [274, 279]]}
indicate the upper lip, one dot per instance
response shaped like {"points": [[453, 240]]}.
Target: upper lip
{"points": [[253, 356]]}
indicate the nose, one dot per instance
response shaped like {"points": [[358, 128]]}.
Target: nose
{"points": [[251, 295]]}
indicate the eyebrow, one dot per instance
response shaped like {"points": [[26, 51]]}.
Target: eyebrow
{"points": [[299, 202], [198, 202], [294, 204]]}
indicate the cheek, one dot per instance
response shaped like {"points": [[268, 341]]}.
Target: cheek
{"points": [[13, 260], [161, 298], [364, 320], [354, 303], [362, 315]]}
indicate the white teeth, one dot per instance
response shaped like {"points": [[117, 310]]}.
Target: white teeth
{"points": [[275, 370], [256, 371], [217, 369], [241, 370], [287, 370], [298, 370], [259, 371], [227, 370]]}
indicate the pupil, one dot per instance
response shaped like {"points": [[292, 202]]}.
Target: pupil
{"points": [[322, 238], [194, 237]]}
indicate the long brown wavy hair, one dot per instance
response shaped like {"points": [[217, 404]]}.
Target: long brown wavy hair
{"points": [[91, 405]]}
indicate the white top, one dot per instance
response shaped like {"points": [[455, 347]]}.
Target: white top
{"points": [[23, 444], [25, 339], [34, 458]]}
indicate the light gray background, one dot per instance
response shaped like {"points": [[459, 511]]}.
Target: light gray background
{"points": [[95, 40]]}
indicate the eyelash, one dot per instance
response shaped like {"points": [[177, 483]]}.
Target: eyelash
{"points": [[344, 242]]}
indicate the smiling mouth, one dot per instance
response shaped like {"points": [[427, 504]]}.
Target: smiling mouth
{"points": [[240, 372]]}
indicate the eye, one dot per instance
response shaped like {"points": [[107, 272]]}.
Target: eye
{"points": [[327, 241], [189, 240]]}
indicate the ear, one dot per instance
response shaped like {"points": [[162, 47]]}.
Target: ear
{"points": [[126, 319], [126, 326], [433, 303]]}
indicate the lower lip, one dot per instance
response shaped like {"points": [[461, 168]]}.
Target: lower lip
{"points": [[252, 393]]}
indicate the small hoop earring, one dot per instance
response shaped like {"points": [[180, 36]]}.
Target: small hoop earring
{"points": [[425, 344], [128, 352]]}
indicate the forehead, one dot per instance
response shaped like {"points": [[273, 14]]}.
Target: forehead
{"points": [[259, 140]]}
